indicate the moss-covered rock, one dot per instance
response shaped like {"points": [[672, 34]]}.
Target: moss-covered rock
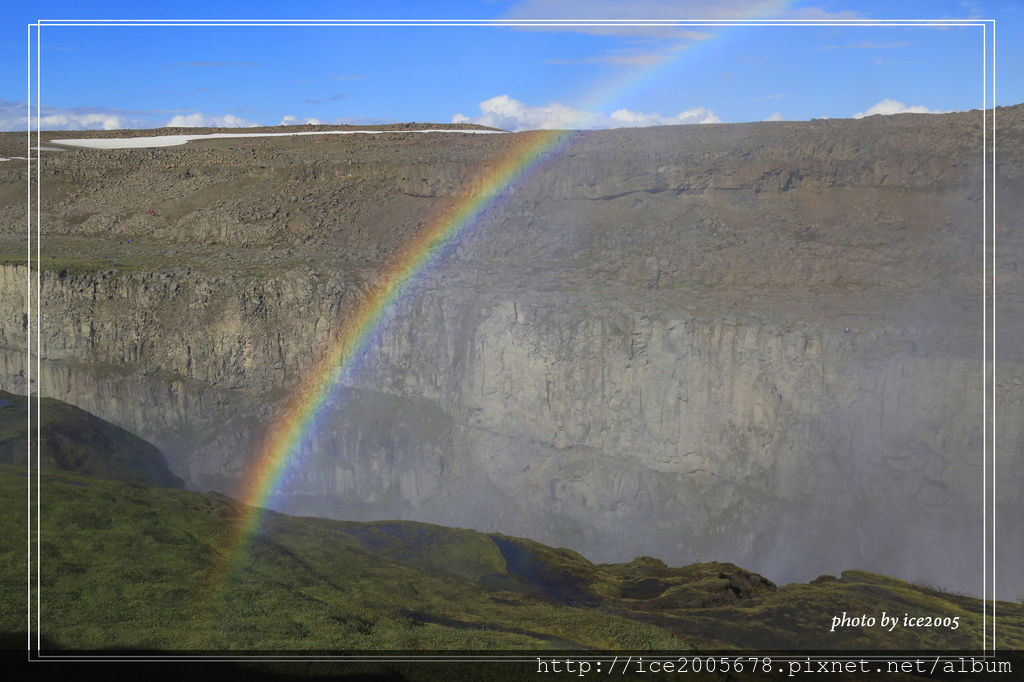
{"points": [[73, 440]]}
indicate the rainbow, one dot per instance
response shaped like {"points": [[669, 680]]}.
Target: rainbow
{"points": [[529, 152]]}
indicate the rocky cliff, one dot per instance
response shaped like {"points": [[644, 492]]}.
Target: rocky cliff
{"points": [[754, 343]]}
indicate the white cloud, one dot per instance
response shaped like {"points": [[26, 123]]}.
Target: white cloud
{"points": [[774, 117], [200, 120], [511, 114], [890, 106], [14, 116], [82, 121], [231, 121], [190, 121], [632, 119], [290, 120]]}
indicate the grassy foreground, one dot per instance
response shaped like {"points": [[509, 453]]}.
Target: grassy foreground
{"points": [[124, 565], [127, 559]]}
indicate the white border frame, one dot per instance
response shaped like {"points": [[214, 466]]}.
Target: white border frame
{"points": [[988, 334]]}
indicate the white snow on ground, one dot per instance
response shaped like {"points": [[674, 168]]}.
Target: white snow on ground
{"points": [[23, 158], [174, 140]]}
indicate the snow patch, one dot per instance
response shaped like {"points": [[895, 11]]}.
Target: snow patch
{"points": [[175, 140]]}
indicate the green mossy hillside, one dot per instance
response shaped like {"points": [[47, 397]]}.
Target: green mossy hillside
{"points": [[123, 565], [76, 441], [128, 566]]}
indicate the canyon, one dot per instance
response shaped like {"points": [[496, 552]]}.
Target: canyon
{"points": [[766, 344]]}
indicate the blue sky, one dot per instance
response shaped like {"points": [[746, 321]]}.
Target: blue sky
{"points": [[515, 78]]}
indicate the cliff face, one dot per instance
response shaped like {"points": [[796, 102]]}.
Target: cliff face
{"points": [[760, 344]]}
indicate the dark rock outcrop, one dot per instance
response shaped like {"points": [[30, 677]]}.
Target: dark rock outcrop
{"points": [[71, 439]]}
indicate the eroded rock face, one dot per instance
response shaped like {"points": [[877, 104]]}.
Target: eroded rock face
{"points": [[759, 344]]}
